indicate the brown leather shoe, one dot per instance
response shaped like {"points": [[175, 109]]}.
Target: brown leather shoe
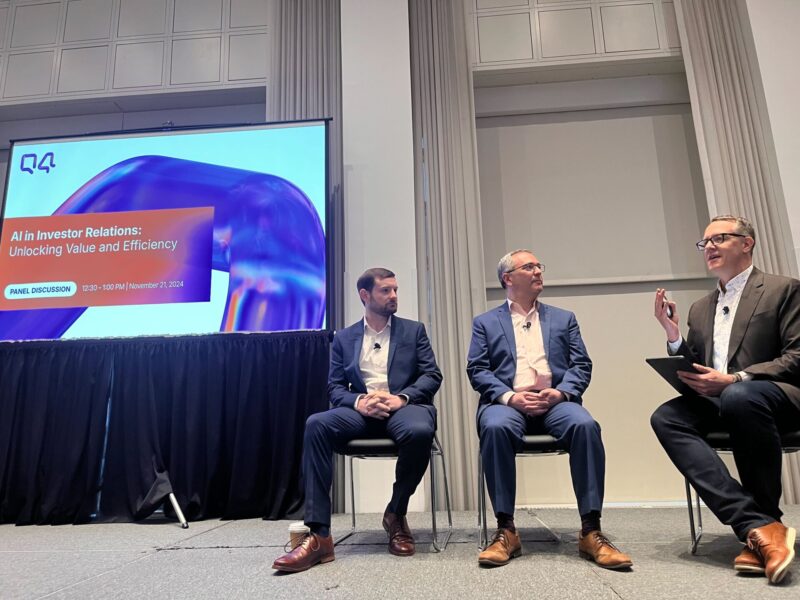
{"points": [[748, 562], [595, 546], [401, 542], [314, 549], [505, 546], [774, 543]]}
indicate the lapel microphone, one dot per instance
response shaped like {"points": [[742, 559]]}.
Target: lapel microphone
{"points": [[377, 346], [527, 326], [725, 310]]}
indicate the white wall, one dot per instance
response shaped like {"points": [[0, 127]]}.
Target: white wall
{"points": [[611, 201], [378, 179], [774, 24], [604, 196]]}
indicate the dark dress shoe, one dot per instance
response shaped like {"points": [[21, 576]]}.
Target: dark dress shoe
{"points": [[774, 543], [401, 542], [313, 550]]}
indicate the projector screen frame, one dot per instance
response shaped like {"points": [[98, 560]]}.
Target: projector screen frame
{"points": [[331, 218]]}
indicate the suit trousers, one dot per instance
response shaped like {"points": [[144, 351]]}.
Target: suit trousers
{"points": [[411, 427], [501, 429], [754, 413]]}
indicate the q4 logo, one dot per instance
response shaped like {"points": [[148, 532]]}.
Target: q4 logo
{"points": [[29, 162]]}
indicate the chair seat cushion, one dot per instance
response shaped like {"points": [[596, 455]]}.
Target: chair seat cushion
{"points": [[720, 440], [537, 444], [371, 447]]}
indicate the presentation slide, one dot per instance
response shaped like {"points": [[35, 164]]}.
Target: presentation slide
{"points": [[165, 233]]}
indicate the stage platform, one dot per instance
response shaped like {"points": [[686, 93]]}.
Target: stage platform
{"points": [[232, 559]]}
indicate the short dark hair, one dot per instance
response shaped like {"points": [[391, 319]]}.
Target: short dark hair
{"points": [[368, 277], [743, 226]]}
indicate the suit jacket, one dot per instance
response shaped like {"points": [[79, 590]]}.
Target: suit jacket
{"points": [[765, 336], [411, 364], [492, 358]]}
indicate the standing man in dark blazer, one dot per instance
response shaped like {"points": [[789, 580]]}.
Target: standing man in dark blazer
{"points": [[529, 364], [382, 380], [744, 338]]}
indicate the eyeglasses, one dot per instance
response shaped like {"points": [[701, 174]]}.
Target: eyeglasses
{"points": [[528, 268], [716, 240]]}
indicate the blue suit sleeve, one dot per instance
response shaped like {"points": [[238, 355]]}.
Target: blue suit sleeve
{"points": [[577, 376], [479, 370], [429, 376], [339, 392]]}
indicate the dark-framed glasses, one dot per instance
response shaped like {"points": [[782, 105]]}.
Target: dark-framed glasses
{"points": [[716, 240], [528, 268]]}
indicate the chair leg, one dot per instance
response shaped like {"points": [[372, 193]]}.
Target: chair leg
{"points": [[697, 533], [446, 499], [436, 450], [352, 506], [483, 532]]}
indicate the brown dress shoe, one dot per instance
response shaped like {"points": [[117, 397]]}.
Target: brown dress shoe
{"points": [[314, 549], [505, 546], [774, 543], [595, 546], [748, 562], [401, 542]]}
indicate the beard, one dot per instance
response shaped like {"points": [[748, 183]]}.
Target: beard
{"points": [[387, 310]]}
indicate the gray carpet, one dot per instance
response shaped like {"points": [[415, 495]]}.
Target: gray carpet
{"points": [[232, 559]]}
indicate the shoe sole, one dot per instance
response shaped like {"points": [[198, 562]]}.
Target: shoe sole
{"points": [[324, 559], [622, 565], [488, 562], [753, 570], [780, 572]]}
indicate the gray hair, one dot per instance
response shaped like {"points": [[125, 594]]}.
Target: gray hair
{"points": [[507, 263], [743, 226]]}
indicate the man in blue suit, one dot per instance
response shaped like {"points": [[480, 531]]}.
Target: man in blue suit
{"points": [[382, 380], [529, 364]]}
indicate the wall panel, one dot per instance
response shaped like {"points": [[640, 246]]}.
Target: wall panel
{"points": [[35, 24], [101, 48], [196, 60], [141, 17], [28, 74], [197, 15], [83, 69], [629, 27], [570, 32], [88, 20]]}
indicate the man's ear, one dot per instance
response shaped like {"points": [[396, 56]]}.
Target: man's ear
{"points": [[752, 244], [364, 295]]}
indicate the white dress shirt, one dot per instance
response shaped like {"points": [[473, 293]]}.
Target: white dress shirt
{"points": [[374, 358], [533, 371], [727, 304]]}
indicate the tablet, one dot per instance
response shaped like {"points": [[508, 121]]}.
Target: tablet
{"points": [[668, 368]]}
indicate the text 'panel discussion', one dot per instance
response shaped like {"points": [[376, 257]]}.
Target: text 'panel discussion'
{"points": [[377, 299]]}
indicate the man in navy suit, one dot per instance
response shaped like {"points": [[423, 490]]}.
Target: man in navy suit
{"points": [[382, 380], [529, 364]]}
